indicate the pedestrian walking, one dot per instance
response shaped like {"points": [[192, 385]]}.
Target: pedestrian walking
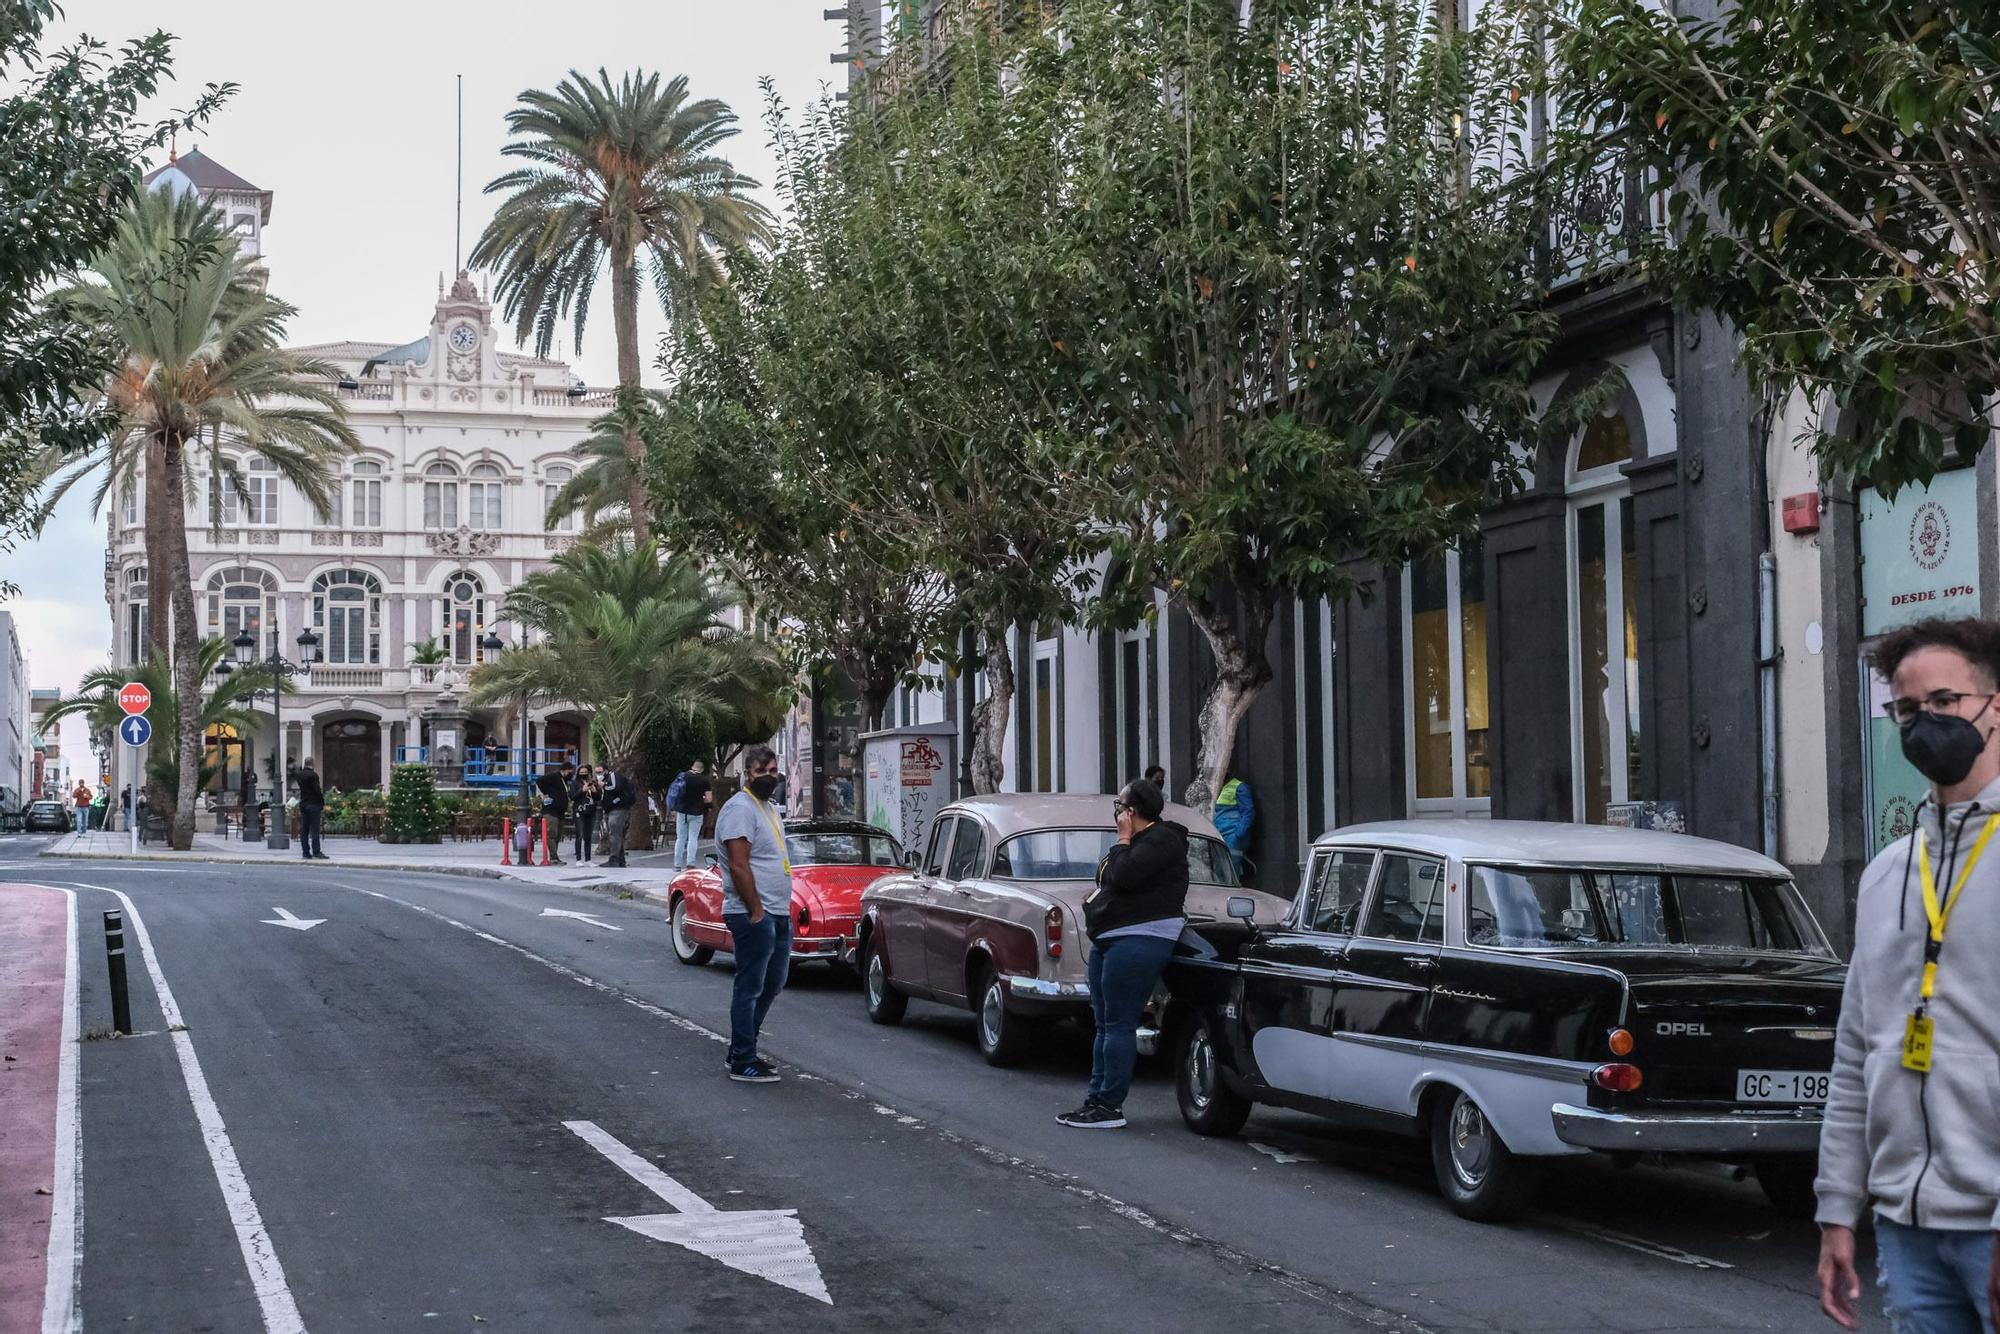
{"points": [[689, 797], [1133, 918], [618, 795], [312, 805], [553, 784], [756, 907], [1912, 1133], [80, 799], [583, 799]]}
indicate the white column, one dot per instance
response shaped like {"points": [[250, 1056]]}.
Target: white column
{"points": [[409, 602], [384, 751]]}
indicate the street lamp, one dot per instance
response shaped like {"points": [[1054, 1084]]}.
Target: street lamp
{"points": [[494, 644], [245, 644]]}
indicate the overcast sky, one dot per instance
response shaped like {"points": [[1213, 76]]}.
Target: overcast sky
{"points": [[347, 114]]}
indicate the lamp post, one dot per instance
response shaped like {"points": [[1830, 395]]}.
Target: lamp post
{"points": [[494, 644], [245, 644]]}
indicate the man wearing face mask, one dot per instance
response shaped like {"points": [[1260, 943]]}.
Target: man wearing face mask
{"points": [[1912, 1129], [756, 907]]}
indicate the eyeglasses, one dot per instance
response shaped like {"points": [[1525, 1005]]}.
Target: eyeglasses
{"points": [[1118, 808], [1905, 711]]}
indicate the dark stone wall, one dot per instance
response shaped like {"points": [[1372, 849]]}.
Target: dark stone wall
{"points": [[1527, 659], [1371, 780]]}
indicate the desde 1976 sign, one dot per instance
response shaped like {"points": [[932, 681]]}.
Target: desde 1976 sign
{"points": [[1920, 553]]}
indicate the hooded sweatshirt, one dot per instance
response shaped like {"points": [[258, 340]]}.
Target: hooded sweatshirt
{"points": [[1143, 881], [1921, 1149]]}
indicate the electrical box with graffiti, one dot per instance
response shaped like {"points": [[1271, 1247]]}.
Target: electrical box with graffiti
{"points": [[909, 774]]}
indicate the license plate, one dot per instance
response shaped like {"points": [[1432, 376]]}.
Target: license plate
{"points": [[1781, 1085]]}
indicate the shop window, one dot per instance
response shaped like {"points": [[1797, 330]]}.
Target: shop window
{"points": [[1450, 761], [1607, 737]]}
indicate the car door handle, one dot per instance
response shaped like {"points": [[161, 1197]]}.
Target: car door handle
{"points": [[1422, 963]]}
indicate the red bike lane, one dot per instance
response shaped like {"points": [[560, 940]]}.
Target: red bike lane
{"points": [[34, 958]]}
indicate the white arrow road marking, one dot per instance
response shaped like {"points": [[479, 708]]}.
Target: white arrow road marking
{"points": [[285, 918], [581, 917], [764, 1243]]}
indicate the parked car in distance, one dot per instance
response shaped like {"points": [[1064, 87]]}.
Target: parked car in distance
{"points": [[833, 861], [46, 815], [991, 919], [1520, 991]]}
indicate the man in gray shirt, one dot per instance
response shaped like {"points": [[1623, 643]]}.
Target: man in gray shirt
{"points": [[756, 907]]}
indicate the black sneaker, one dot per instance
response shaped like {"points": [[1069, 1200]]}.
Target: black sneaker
{"points": [[321, 857], [754, 1072], [1092, 1117]]}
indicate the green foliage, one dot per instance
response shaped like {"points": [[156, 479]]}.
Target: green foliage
{"points": [[415, 814], [1830, 170], [71, 142]]}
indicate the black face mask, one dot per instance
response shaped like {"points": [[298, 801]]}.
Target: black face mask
{"points": [[763, 785], [1943, 747]]}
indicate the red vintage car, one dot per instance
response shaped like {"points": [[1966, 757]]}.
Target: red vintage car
{"points": [[832, 862]]}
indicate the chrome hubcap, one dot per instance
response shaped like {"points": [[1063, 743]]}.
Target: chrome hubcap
{"points": [[875, 979], [1471, 1144], [1200, 1070], [992, 1015], [681, 942]]}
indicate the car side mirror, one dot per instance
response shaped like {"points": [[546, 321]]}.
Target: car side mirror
{"points": [[912, 860], [1243, 908], [714, 860]]}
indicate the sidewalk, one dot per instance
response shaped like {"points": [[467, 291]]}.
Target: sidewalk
{"points": [[646, 877]]}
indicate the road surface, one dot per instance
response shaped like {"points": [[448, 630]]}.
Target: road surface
{"points": [[457, 1103]]}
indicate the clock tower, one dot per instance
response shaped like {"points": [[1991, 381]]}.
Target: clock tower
{"points": [[463, 354]]}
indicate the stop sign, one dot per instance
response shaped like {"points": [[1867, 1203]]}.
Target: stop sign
{"points": [[134, 698]]}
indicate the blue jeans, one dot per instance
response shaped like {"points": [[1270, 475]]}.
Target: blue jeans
{"points": [[687, 837], [1933, 1281], [83, 819], [763, 958], [1123, 972]]}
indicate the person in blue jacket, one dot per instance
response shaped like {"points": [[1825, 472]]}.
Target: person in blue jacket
{"points": [[1235, 813]]}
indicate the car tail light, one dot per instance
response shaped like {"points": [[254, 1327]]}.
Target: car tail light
{"points": [[805, 917], [1621, 1042], [1617, 1078], [1054, 929]]}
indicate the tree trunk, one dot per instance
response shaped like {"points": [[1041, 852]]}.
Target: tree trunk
{"points": [[625, 323], [1241, 671], [161, 516], [639, 826], [186, 639], [988, 761]]}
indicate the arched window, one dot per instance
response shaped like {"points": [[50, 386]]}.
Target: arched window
{"points": [[482, 498], [252, 498], [1607, 741], [466, 607], [365, 491], [553, 481], [347, 616], [239, 599], [440, 496], [136, 623]]}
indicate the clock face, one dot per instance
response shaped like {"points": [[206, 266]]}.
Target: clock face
{"points": [[464, 338]]}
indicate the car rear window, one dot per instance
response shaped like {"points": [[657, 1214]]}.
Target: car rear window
{"points": [[1073, 854], [843, 850], [1583, 909]]}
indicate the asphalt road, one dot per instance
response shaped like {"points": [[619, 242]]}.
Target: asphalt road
{"points": [[426, 1108]]}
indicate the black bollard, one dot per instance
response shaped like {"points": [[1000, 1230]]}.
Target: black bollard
{"points": [[114, 946]]}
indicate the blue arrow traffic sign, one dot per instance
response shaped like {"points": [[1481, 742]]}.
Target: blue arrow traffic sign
{"points": [[135, 731]]}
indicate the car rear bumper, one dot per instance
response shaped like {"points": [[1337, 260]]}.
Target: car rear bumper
{"points": [[1794, 1130], [823, 949], [1046, 997]]}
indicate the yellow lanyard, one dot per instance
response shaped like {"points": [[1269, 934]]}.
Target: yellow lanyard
{"points": [[1940, 913], [785, 853]]}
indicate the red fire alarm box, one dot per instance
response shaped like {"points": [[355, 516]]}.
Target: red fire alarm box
{"points": [[1802, 512]]}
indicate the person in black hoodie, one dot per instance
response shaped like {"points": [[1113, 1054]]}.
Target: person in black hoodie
{"points": [[583, 795], [1133, 918], [312, 804], [553, 784]]}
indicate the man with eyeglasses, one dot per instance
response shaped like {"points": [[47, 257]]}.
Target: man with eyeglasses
{"points": [[1912, 1128], [756, 907]]}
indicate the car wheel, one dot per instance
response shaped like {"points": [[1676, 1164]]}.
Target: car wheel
{"points": [[1004, 1037], [886, 1005], [1208, 1104], [685, 949], [1481, 1178], [1787, 1182]]}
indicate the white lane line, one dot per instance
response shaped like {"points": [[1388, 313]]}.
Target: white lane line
{"points": [[1631, 1243], [62, 1299], [260, 1257]]}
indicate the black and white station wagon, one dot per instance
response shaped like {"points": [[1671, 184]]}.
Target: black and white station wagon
{"points": [[1520, 991]]}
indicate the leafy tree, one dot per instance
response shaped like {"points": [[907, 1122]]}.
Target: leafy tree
{"points": [[631, 639], [1292, 296], [230, 704], [617, 175], [1830, 169], [71, 140], [196, 363]]}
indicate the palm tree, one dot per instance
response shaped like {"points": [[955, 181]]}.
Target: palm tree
{"points": [[228, 705], [617, 172], [635, 641], [196, 359], [600, 491]]}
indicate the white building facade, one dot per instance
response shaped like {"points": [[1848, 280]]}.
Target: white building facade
{"points": [[17, 740], [436, 517]]}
